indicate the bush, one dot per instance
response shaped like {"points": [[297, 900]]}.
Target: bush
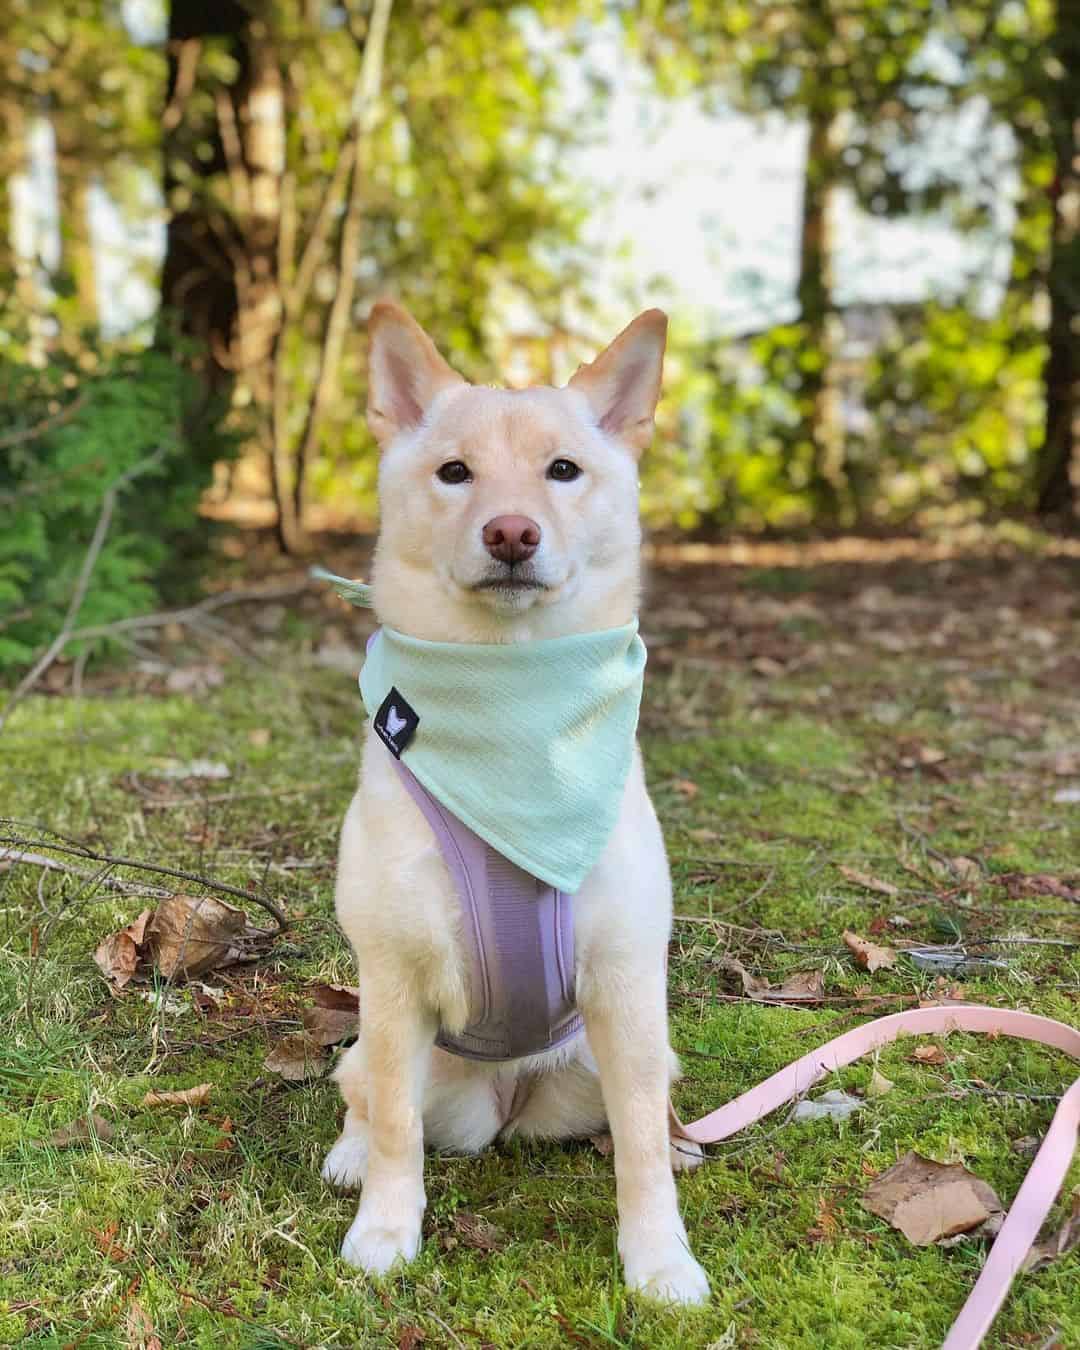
{"points": [[66, 436]]}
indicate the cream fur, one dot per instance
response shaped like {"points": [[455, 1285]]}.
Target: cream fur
{"points": [[395, 899]]}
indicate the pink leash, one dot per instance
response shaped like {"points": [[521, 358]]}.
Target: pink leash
{"points": [[1045, 1175]]}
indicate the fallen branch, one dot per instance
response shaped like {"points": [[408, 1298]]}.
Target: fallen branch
{"points": [[112, 860]]}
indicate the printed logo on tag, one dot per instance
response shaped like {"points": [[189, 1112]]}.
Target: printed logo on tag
{"points": [[396, 723]]}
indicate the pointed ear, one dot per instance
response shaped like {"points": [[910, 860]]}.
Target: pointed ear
{"points": [[623, 383], [405, 372]]}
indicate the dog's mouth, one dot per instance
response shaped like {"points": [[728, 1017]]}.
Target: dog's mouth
{"points": [[512, 579]]}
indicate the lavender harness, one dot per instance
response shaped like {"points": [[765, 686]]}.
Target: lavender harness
{"points": [[519, 935]]}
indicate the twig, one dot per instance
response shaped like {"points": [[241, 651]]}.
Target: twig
{"points": [[82, 851], [10, 856], [108, 504], [43, 427]]}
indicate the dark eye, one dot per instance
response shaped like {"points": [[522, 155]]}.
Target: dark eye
{"points": [[563, 470], [454, 471]]}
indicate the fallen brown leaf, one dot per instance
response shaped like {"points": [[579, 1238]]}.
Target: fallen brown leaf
{"points": [[868, 954], [930, 1201], [869, 882], [117, 957], [807, 986], [183, 937], [966, 870], [410, 1336], [139, 1331], [193, 934], [105, 1241], [1057, 1244], [1021, 886], [296, 1058], [474, 1232], [82, 1130], [192, 1096], [686, 788], [335, 1016], [928, 1054]]}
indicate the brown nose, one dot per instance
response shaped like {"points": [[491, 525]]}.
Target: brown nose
{"points": [[511, 539]]}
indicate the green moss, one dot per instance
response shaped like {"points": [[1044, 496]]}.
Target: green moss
{"points": [[786, 791]]}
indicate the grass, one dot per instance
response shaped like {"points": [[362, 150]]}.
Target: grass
{"points": [[805, 724]]}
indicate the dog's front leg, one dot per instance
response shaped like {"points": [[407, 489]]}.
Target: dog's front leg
{"points": [[626, 1023], [398, 1033]]}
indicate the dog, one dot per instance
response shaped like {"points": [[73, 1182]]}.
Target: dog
{"points": [[508, 516]]}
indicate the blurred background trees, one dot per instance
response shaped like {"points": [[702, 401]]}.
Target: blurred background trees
{"points": [[199, 202]]}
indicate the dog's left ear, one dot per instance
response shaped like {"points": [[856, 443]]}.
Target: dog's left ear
{"points": [[623, 384]]}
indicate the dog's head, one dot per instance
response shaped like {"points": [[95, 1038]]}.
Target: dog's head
{"points": [[508, 514]]}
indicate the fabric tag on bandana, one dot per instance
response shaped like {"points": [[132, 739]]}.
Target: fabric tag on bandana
{"points": [[395, 723]]}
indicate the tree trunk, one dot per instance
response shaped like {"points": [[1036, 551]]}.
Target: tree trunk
{"points": [[77, 245], [198, 283], [814, 293], [220, 275], [1059, 489]]}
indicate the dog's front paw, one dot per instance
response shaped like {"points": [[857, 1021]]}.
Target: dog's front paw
{"points": [[685, 1155], [346, 1163], [375, 1246], [664, 1270]]}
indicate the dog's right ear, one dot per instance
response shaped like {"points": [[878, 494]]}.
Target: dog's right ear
{"points": [[405, 372]]}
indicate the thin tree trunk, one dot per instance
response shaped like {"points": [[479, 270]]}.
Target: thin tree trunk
{"points": [[364, 116], [77, 245], [814, 294], [1059, 489]]}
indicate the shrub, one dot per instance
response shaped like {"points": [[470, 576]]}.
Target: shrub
{"points": [[66, 435]]}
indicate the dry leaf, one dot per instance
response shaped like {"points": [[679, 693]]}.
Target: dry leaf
{"points": [[139, 1331], [259, 737], [966, 869], [473, 1232], [410, 1336], [827, 1223], [296, 1058], [82, 1130], [807, 986], [1057, 1244], [879, 1084], [930, 1201], [335, 1016], [928, 1054], [193, 934], [192, 1096], [869, 954], [1020, 886], [869, 883], [185, 936], [107, 1244], [603, 1143], [117, 957]]}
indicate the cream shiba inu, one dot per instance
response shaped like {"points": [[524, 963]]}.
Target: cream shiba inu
{"points": [[508, 517]]}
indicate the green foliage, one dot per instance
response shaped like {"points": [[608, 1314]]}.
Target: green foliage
{"points": [[128, 417]]}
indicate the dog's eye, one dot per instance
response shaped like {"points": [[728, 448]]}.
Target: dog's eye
{"points": [[454, 471], [563, 470]]}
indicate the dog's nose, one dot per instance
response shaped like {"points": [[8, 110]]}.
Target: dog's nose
{"points": [[511, 539]]}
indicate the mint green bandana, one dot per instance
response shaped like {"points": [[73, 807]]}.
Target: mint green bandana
{"points": [[527, 743]]}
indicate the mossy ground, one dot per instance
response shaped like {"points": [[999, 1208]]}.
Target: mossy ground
{"points": [[797, 720]]}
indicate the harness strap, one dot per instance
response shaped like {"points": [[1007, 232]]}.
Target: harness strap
{"points": [[519, 937], [1045, 1176]]}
